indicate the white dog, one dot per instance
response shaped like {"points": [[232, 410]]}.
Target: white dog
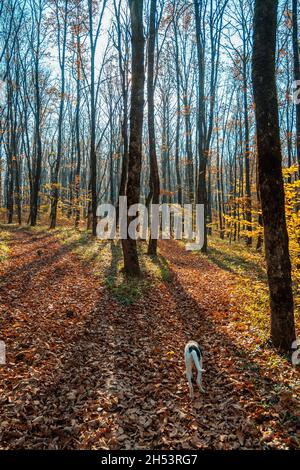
{"points": [[193, 354]]}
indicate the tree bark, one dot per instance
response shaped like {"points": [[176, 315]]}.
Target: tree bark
{"points": [[202, 196], [296, 76], [270, 178], [154, 175], [178, 118], [131, 261], [123, 69], [93, 156], [77, 125], [37, 168], [55, 180]]}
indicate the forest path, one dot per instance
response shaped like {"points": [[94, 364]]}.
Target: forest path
{"points": [[86, 372]]}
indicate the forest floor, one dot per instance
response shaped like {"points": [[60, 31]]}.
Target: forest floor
{"points": [[96, 362]]}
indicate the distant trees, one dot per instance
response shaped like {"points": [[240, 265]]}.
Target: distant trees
{"points": [[11, 21], [270, 178]]}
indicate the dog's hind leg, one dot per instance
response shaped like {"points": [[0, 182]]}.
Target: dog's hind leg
{"points": [[199, 378], [199, 382], [189, 378], [189, 373]]}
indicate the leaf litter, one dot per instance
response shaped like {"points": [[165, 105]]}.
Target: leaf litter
{"points": [[85, 371]]}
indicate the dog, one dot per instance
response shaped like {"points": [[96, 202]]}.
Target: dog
{"points": [[193, 354]]}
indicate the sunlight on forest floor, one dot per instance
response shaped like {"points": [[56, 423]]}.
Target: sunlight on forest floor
{"points": [[106, 260], [246, 265], [4, 249], [251, 288]]}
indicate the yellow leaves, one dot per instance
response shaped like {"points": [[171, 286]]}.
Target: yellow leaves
{"points": [[170, 353], [56, 186], [287, 172], [4, 249], [292, 195]]}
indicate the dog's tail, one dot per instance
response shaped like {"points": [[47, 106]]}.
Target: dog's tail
{"points": [[197, 362]]}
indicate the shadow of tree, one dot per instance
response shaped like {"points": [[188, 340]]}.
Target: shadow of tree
{"points": [[236, 264]]}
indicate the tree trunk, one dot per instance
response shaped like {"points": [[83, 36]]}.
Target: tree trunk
{"points": [[123, 69], [37, 169], [296, 75], [154, 175], [248, 214], [270, 178], [54, 183], [131, 261], [203, 154], [178, 117], [77, 128]]}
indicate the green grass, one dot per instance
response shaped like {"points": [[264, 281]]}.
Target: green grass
{"points": [[4, 241], [251, 289], [105, 258]]}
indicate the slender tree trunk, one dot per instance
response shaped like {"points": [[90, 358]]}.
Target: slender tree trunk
{"points": [[38, 142], [248, 214], [219, 191], [54, 184], [164, 147], [178, 119], [189, 151], [270, 178], [154, 175], [77, 129], [10, 156], [260, 239], [123, 69], [93, 156], [296, 75]]}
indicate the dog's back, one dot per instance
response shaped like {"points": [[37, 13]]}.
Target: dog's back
{"points": [[193, 346]]}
